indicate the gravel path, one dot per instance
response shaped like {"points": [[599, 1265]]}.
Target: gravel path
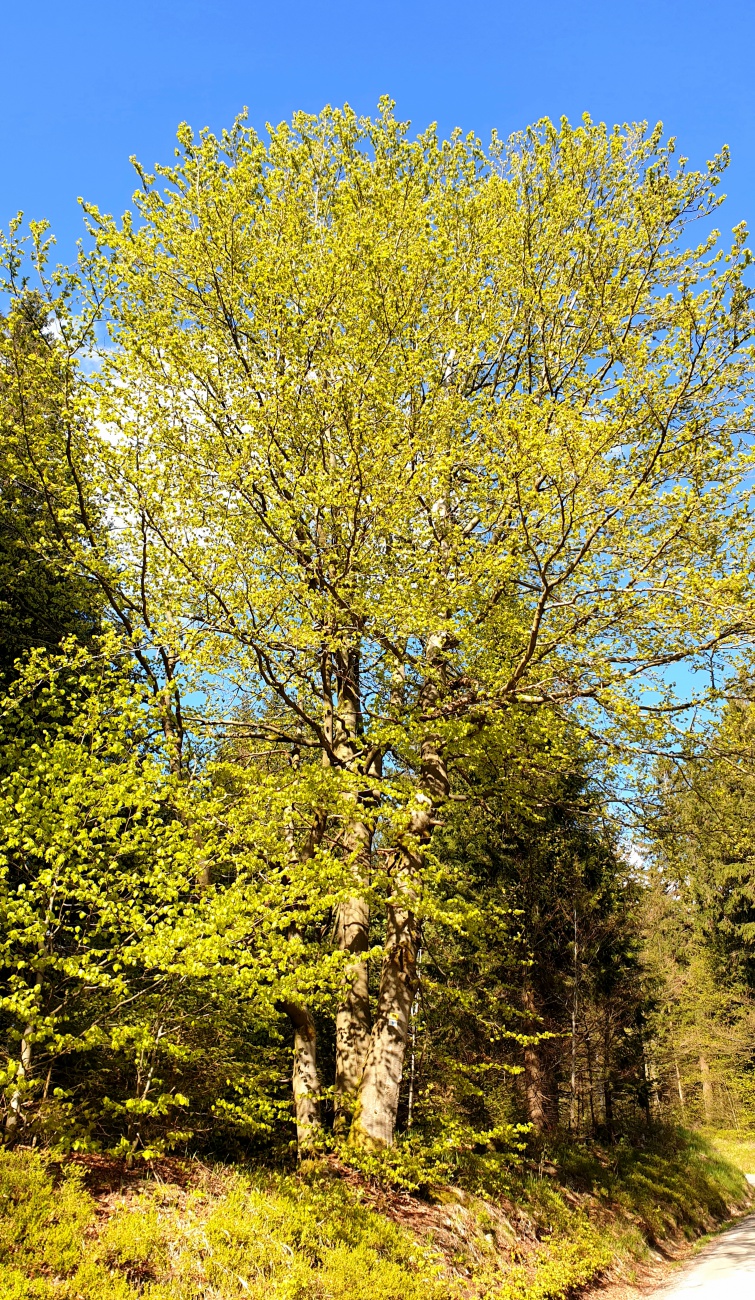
{"points": [[724, 1270]]}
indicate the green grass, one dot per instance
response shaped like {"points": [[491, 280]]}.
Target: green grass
{"points": [[231, 1234], [679, 1183], [735, 1146]]}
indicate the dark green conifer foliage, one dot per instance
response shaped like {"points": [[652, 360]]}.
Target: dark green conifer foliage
{"points": [[43, 598]]}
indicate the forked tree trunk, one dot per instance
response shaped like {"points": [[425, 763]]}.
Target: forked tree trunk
{"points": [[374, 1123], [353, 1022]]}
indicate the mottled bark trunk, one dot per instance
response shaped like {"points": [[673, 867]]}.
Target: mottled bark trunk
{"points": [[374, 1120], [14, 1118], [413, 1049], [707, 1083], [353, 1013], [305, 1079], [353, 1022]]}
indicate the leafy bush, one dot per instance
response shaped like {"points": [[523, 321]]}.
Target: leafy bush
{"points": [[455, 1152], [561, 1266]]}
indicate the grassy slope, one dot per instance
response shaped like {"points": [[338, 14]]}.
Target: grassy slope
{"points": [[226, 1234], [735, 1146]]}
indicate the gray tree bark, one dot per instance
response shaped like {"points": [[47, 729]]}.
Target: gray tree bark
{"points": [[353, 1013], [305, 1080], [14, 1118], [374, 1120], [374, 1123]]}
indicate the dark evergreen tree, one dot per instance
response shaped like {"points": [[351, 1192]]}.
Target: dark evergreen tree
{"points": [[43, 597]]}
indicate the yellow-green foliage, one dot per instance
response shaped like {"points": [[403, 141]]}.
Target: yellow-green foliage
{"points": [[627, 1196], [559, 1268], [42, 1227], [282, 1240]]}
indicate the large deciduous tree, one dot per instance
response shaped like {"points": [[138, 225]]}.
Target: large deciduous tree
{"points": [[416, 433]]}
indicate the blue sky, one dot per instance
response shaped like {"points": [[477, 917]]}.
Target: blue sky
{"points": [[85, 86]]}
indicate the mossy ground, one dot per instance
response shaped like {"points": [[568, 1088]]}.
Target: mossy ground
{"points": [[87, 1230]]}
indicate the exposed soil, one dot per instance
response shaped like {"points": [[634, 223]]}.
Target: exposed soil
{"points": [[104, 1175]]}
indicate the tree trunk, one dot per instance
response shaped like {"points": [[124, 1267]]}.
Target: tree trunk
{"points": [[608, 1103], [353, 1014], [573, 1112], [534, 1089], [374, 1123], [305, 1079], [607, 1083], [590, 1076], [707, 1089], [14, 1118], [374, 1120], [679, 1088], [352, 925], [413, 1052]]}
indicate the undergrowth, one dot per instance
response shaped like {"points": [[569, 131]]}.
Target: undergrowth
{"points": [[335, 1234]]}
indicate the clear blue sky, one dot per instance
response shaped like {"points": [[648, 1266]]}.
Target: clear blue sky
{"points": [[83, 86]]}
